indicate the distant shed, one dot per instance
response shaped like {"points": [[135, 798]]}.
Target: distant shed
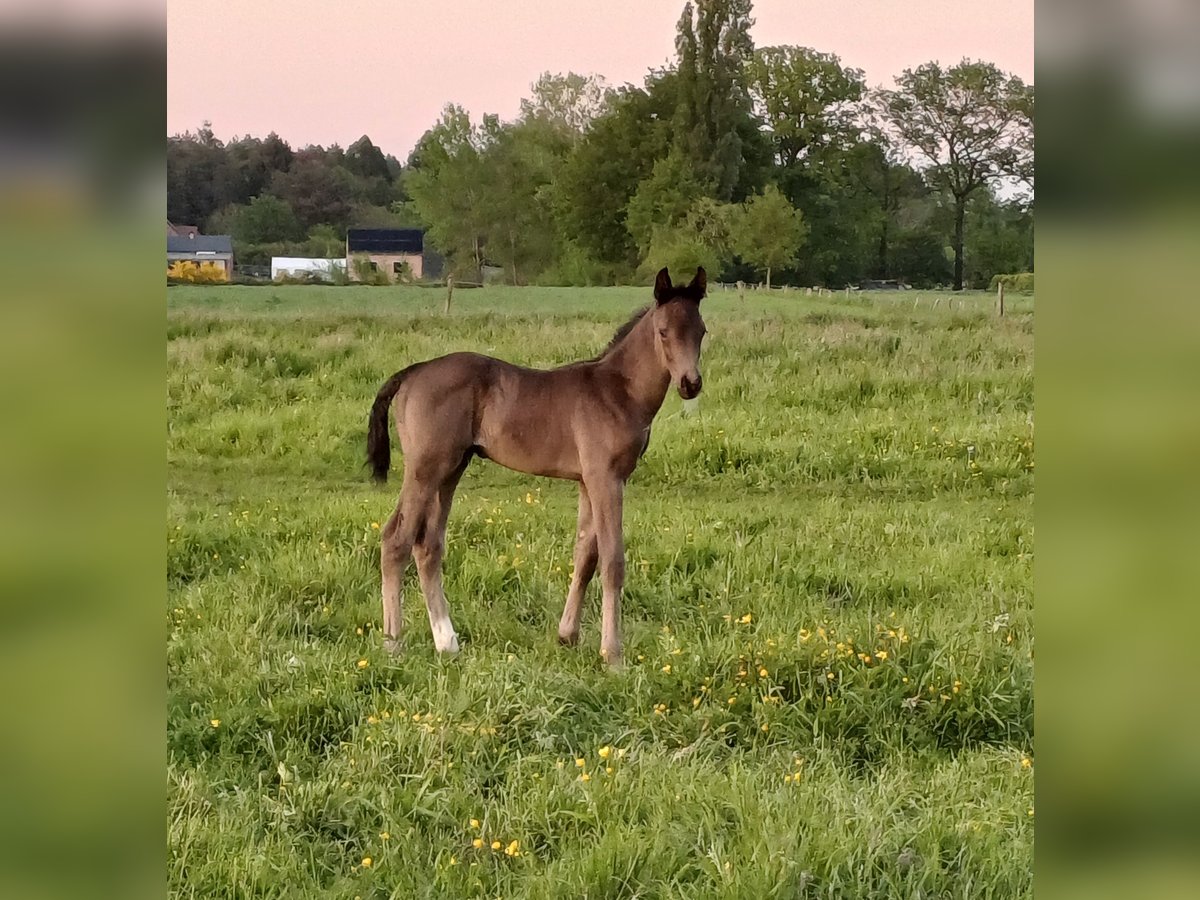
{"points": [[298, 266]]}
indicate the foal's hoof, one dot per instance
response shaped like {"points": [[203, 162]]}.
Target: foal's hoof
{"points": [[451, 646], [568, 640], [613, 659]]}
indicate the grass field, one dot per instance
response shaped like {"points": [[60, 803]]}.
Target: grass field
{"points": [[828, 613]]}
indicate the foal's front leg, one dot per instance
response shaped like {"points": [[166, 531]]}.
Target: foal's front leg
{"points": [[607, 499]]}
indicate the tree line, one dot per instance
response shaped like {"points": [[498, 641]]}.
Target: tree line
{"points": [[770, 163]]}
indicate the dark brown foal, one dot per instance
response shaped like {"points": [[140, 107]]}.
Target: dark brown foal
{"points": [[587, 421]]}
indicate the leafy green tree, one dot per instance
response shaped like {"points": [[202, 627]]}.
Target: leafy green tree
{"points": [[316, 191], [595, 182], [971, 124], [449, 186], [195, 172], [519, 161], [366, 160], [770, 231], [663, 200], [713, 116], [679, 249], [569, 102], [999, 239], [264, 220], [807, 100]]}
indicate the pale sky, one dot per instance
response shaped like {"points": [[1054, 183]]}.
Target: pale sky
{"points": [[326, 72]]}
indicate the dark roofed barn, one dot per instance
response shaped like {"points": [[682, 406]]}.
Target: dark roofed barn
{"points": [[387, 250]]}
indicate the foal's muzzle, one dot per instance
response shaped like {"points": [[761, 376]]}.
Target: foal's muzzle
{"points": [[689, 388]]}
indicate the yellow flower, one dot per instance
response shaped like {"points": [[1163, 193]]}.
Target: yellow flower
{"points": [[732, 700], [474, 823], [375, 525], [608, 770], [215, 723], [1026, 762], [513, 849], [805, 634], [477, 843], [385, 836], [605, 752], [367, 862], [787, 779], [371, 720], [881, 654], [745, 620], [558, 764], [585, 777], [580, 762], [762, 673], [362, 663], [695, 702], [765, 727], [453, 861], [495, 845], [667, 668]]}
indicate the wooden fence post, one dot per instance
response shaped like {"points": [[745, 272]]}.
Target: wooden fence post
{"points": [[449, 291], [1000, 299]]}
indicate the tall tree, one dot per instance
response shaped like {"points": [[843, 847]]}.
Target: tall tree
{"points": [[195, 171], [366, 160], [265, 219], [663, 200], [713, 119], [770, 231], [593, 186], [519, 160], [807, 100], [971, 124], [317, 192], [570, 102], [449, 187]]}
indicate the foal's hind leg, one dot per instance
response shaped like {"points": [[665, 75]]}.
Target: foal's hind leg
{"points": [[586, 555], [395, 550], [429, 551]]}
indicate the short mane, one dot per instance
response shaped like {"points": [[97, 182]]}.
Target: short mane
{"points": [[623, 332]]}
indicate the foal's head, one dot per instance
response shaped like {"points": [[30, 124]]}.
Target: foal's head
{"points": [[678, 329]]}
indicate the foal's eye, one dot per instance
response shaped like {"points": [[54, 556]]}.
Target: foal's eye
{"points": [[662, 332]]}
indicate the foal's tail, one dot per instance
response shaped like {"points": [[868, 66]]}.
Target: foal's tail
{"points": [[379, 439]]}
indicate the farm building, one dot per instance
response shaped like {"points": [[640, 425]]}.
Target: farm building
{"points": [[202, 248], [387, 250], [300, 266]]}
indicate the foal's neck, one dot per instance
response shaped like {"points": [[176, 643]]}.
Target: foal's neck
{"points": [[646, 378]]}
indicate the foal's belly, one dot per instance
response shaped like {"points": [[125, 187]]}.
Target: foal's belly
{"points": [[522, 428], [533, 448]]}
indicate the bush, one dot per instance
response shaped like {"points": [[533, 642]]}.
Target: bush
{"points": [[190, 272], [364, 273], [1021, 283]]}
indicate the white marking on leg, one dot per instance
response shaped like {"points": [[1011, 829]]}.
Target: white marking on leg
{"points": [[444, 637]]}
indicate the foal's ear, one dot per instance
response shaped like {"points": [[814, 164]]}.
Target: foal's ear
{"points": [[698, 286], [662, 286]]}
